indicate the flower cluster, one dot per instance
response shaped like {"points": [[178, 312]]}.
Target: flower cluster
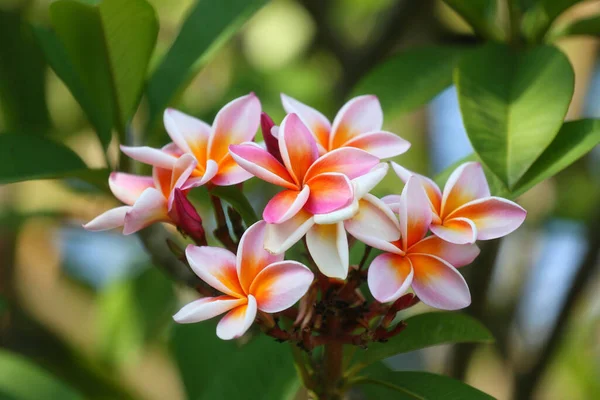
{"points": [[326, 172]]}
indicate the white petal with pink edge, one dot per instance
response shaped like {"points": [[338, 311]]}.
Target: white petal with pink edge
{"points": [[215, 266], [206, 308], [280, 285], [150, 208], [209, 173], [328, 246], [349, 161], [297, 146], [280, 237], [252, 256], [389, 277], [494, 217], [284, 205], [230, 173], [367, 182], [188, 133], [359, 115], [150, 156], [392, 201], [465, 184], [313, 119], [438, 284], [456, 230], [261, 164], [111, 219], [431, 188], [414, 213], [458, 255], [237, 321], [128, 187], [329, 192], [381, 144], [338, 215]]}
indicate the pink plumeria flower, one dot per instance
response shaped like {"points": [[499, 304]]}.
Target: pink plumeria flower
{"points": [[235, 123], [428, 264], [315, 188], [358, 124], [466, 211], [148, 199], [252, 281]]}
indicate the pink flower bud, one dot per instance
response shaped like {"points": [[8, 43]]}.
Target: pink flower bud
{"points": [[184, 215], [266, 123]]}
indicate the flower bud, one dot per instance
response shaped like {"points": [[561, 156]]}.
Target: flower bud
{"points": [[272, 143], [184, 215]]}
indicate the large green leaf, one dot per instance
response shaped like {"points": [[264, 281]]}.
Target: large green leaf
{"points": [[22, 77], [538, 18], [213, 369], [412, 78], [580, 27], [427, 330], [574, 140], [381, 383], [109, 45], [238, 201], [480, 14], [22, 380], [208, 26], [513, 104], [132, 312]]}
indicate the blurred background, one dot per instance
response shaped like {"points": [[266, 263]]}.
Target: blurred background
{"points": [[90, 308]]}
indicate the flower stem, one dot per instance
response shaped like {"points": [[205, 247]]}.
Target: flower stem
{"points": [[333, 357]]}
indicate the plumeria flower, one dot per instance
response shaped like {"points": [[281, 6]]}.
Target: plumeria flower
{"points": [[252, 281], [466, 211], [318, 190], [148, 199], [427, 263], [235, 123], [358, 124]]}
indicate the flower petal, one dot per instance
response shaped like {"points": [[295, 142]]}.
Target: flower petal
{"points": [[182, 169], [209, 173], [237, 321], [456, 254], [318, 124], [359, 115], [150, 208], [456, 230], [431, 188], [338, 215], [328, 246], [389, 277], [262, 164], [381, 144], [392, 201], [111, 219], [188, 133], [150, 156], [215, 266], [284, 205], [297, 146], [328, 192], [438, 284], [229, 173], [280, 237], [494, 217], [280, 285], [414, 213], [235, 123], [252, 256], [271, 141], [365, 183], [465, 184], [375, 225], [206, 308], [127, 187], [349, 161]]}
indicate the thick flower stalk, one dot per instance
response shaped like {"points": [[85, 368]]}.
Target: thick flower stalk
{"points": [[253, 281]]}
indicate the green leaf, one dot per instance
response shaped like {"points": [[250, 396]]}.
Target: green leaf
{"points": [[132, 312], [513, 104], [99, 113], [480, 14], [412, 78], [580, 27], [207, 27], [22, 77], [427, 330], [574, 140], [238, 201], [3, 305], [109, 45], [22, 380], [383, 383], [214, 369], [27, 157], [538, 18]]}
